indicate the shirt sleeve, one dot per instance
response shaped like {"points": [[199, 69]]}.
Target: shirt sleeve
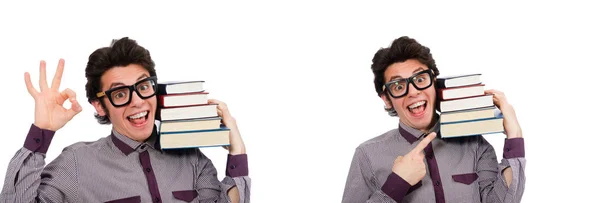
{"points": [[210, 189], [27, 180], [492, 184], [362, 186]]}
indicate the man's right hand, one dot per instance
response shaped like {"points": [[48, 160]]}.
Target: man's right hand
{"points": [[411, 167], [49, 111]]}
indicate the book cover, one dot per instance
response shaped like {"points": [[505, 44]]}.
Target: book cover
{"points": [[458, 80], [180, 87], [460, 92], [473, 127], [183, 99], [190, 124], [469, 114], [195, 139], [464, 103], [186, 112]]}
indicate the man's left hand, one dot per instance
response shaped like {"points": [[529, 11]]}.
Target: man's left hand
{"points": [[512, 129], [235, 139]]}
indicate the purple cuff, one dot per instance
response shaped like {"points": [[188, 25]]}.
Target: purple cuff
{"points": [[514, 148], [38, 140], [395, 187], [237, 165]]}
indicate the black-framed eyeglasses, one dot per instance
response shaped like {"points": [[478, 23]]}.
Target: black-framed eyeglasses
{"points": [[121, 96], [399, 88]]}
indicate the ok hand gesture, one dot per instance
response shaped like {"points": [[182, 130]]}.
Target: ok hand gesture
{"points": [[49, 111]]}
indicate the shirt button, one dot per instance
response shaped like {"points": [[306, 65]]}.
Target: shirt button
{"points": [[508, 149], [37, 140], [143, 146], [148, 170], [437, 183], [232, 167]]}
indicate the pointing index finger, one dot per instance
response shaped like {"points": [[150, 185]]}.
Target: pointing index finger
{"points": [[421, 146]]}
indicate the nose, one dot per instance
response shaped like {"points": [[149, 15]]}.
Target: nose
{"points": [[136, 101], [412, 90]]}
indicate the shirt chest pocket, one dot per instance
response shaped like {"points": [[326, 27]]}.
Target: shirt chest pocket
{"points": [[134, 199], [465, 188], [185, 195], [467, 178]]}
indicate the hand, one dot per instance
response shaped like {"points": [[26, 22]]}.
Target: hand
{"points": [[49, 111], [512, 129], [411, 167], [235, 139]]}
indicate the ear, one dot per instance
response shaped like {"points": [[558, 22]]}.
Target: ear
{"points": [[99, 108], [386, 100]]}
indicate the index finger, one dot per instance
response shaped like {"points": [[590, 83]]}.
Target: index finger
{"points": [[421, 146], [58, 74]]}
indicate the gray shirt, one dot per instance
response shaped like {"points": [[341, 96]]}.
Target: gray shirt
{"points": [[463, 169], [118, 169]]}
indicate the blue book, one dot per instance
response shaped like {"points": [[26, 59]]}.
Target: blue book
{"points": [[473, 127]]}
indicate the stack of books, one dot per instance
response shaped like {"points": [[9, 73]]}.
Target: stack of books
{"points": [[465, 109], [186, 118]]}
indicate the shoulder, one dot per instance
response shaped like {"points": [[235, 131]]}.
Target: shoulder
{"points": [[380, 141], [86, 150], [87, 146], [72, 154]]}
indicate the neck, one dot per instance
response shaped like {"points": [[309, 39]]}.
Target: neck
{"points": [[434, 120]]}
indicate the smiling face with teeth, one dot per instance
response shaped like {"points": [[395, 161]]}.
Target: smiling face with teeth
{"points": [[416, 108], [135, 120]]}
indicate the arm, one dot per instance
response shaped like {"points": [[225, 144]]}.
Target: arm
{"points": [[25, 181], [28, 181], [506, 182], [361, 184], [407, 171], [236, 180], [495, 185], [236, 184]]}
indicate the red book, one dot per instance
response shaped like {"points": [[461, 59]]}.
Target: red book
{"points": [[460, 92], [179, 100]]}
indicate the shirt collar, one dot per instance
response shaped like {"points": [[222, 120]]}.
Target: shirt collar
{"points": [[412, 135], [127, 145]]}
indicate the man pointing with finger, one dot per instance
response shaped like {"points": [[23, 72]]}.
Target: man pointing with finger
{"points": [[127, 165], [409, 164]]}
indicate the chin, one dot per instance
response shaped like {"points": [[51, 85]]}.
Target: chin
{"points": [[421, 121]]}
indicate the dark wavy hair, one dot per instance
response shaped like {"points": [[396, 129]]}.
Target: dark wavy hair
{"points": [[120, 53], [401, 49]]}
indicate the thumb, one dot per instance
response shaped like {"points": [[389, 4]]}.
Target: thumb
{"points": [[75, 108]]}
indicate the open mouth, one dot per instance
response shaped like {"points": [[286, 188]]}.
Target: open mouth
{"points": [[417, 108], [138, 119]]}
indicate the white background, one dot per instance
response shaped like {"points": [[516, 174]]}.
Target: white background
{"points": [[297, 77]]}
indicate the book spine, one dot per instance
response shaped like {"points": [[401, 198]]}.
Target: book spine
{"points": [[440, 83], [161, 89], [161, 100]]}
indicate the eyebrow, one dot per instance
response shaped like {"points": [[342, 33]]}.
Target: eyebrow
{"points": [[116, 84], [397, 77]]}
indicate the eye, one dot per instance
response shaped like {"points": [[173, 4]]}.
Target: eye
{"points": [[421, 79], [120, 95], [398, 87], [144, 87]]}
